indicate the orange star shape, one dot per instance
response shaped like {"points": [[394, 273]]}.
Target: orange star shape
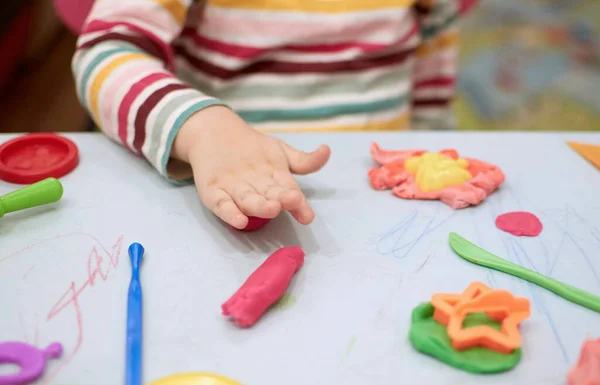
{"points": [[452, 309]]}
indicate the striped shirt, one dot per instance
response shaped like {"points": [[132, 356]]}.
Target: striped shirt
{"points": [[142, 67]]}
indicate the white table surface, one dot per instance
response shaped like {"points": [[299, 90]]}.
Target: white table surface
{"points": [[370, 259]]}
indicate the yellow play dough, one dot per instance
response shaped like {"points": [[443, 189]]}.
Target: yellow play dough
{"points": [[434, 171], [195, 378]]}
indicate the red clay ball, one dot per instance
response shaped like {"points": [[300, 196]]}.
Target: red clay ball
{"points": [[255, 223]]}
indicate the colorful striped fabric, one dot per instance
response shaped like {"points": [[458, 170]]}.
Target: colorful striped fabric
{"points": [[143, 67]]}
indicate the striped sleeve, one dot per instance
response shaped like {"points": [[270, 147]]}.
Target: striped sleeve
{"points": [[123, 67], [436, 63]]}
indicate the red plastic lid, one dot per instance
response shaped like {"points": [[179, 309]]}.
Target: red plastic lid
{"points": [[33, 157]]}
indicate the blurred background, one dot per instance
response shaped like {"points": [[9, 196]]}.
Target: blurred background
{"points": [[524, 65]]}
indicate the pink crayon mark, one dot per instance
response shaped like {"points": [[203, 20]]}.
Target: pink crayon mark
{"points": [[22, 323], [114, 261], [73, 299], [72, 295], [36, 338]]}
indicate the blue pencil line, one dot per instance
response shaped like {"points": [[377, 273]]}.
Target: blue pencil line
{"points": [[538, 301], [594, 232], [557, 254], [571, 237], [490, 273], [581, 250], [535, 292], [415, 241], [401, 229]]}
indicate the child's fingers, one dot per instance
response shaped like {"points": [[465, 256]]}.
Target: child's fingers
{"points": [[271, 189], [301, 211], [301, 162], [252, 203], [290, 199], [303, 214], [223, 206]]}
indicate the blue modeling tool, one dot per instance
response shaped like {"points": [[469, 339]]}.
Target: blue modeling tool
{"points": [[133, 368]]}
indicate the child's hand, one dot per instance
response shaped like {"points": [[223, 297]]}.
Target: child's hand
{"points": [[240, 172]]}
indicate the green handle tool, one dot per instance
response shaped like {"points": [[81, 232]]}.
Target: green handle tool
{"points": [[479, 256], [41, 193]]}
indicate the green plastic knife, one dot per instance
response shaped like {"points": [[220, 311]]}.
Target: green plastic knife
{"points": [[479, 256]]}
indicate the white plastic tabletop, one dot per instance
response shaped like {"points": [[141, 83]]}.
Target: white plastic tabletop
{"points": [[370, 259]]}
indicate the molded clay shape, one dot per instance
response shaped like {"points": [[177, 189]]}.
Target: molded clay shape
{"points": [[519, 223], [400, 171], [431, 338], [264, 287], [587, 369], [255, 223], [434, 171], [30, 359]]}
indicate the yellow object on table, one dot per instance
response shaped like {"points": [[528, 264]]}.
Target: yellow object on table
{"points": [[434, 171], [590, 152], [195, 378]]}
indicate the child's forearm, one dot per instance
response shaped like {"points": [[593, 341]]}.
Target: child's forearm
{"points": [[122, 68]]}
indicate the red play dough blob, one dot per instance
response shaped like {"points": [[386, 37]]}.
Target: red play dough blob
{"points": [[587, 369], [255, 223], [264, 287], [519, 223]]}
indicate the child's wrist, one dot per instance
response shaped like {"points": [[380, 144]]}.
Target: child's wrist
{"points": [[196, 127]]}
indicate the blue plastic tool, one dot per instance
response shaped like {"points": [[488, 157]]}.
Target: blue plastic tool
{"points": [[133, 368]]}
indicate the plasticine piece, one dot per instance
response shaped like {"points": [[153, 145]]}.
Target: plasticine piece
{"points": [[587, 369], [444, 304], [500, 305], [431, 338], [434, 171], [30, 359], [393, 175], [264, 287], [511, 310], [255, 223], [386, 157], [519, 223]]}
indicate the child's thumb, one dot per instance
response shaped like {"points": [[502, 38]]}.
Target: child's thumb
{"points": [[302, 163]]}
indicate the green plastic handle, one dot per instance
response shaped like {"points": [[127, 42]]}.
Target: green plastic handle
{"points": [[41, 193], [479, 256]]}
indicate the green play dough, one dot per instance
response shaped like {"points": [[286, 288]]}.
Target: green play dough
{"points": [[430, 337]]}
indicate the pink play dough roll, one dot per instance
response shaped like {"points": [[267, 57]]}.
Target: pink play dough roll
{"points": [[264, 287]]}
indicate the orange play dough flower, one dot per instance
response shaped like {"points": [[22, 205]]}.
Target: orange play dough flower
{"points": [[452, 309], [392, 174]]}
